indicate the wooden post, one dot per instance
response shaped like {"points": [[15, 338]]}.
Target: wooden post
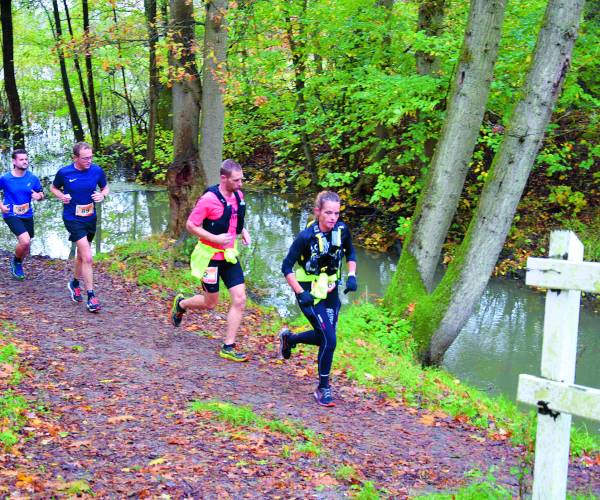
{"points": [[559, 352]]}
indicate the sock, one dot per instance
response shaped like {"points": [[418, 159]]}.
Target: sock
{"points": [[179, 308], [228, 346], [323, 381], [75, 283], [90, 294], [17, 259]]}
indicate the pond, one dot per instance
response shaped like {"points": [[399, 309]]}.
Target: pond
{"points": [[502, 338]]}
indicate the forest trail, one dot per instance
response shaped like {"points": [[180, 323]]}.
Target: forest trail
{"points": [[117, 386]]}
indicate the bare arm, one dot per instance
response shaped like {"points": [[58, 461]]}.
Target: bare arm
{"points": [[59, 194], [198, 231]]}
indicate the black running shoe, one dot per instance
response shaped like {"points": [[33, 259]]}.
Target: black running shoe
{"points": [[324, 396], [176, 310], [75, 292], [285, 348]]}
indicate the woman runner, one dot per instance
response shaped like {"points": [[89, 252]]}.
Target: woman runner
{"points": [[318, 251]]}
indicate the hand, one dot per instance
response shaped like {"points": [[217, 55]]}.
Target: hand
{"points": [[305, 298], [223, 239], [246, 237], [66, 199], [5, 209], [351, 284], [98, 197], [37, 195]]}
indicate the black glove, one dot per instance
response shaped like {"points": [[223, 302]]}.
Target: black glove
{"points": [[351, 284], [305, 298]]}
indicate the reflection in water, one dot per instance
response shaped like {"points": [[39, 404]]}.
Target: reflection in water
{"points": [[502, 339]]}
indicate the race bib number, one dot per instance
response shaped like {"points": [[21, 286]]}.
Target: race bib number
{"points": [[84, 210], [330, 286], [21, 209], [211, 275]]}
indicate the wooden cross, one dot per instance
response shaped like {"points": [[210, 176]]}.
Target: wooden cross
{"points": [[565, 275]]}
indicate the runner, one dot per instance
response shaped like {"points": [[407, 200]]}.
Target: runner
{"points": [[318, 251], [19, 187], [217, 220], [75, 185]]}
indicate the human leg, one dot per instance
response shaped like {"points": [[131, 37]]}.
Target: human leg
{"points": [[22, 228]]}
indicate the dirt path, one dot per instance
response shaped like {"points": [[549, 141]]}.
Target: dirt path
{"points": [[118, 386]]}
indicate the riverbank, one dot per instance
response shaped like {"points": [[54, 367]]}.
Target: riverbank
{"points": [[99, 384]]}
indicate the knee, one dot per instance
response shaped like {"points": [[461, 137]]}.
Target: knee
{"points": [[86, 259], [24, 241], [239, 300]]}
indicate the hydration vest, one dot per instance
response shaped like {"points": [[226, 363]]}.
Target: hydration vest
{"points": [[324, 257], [221, 225]]}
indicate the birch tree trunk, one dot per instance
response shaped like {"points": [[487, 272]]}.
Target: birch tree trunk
{"points": [[441, 316], [10, 82], [214, 77], [449, 166], [184, 176]]}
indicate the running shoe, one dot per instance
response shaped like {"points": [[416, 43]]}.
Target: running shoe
{"points": [[176, 310], [75, 292], [93, 304], [324, 396], [285, 348], [233, 355], [16, 269]]}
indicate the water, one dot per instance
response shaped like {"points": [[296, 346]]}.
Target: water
{"points": [[502, 339]]}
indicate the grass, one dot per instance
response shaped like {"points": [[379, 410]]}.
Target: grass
{"points": [[13, 407], [306, 440]]}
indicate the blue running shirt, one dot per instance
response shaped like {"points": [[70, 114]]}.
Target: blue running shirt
{"points": [[17, 193], [80, 184]]}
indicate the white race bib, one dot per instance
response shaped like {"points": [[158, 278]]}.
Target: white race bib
{"points": [[84, 210], [21, 209], [211, 275]]}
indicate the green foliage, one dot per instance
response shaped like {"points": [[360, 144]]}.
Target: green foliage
{"points": [[570, 202]]}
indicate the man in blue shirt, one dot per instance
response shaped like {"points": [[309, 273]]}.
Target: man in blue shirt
{"points": [[75, 185], [19, 187]]}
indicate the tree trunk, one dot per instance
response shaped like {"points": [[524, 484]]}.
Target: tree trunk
{"points": [[213, 87], [10, 82], [153, 82], [74, 115], [94, 120], [431, 17], [129, 104], [297, 49], [449, 166], [84, 96], [184, 176], [445, 312]]}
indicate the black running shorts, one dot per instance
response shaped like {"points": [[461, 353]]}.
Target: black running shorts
{"points": [[80, 229], [231, 274], [20, 225]]}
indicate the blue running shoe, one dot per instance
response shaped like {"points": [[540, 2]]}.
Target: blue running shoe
{"points": [[16, 269], [93, 304], [324, 396], [75, 292]]}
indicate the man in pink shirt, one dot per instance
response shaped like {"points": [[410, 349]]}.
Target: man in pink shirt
{"points": [[217, 220]]}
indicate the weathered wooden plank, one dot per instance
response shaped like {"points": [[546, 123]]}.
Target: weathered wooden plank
{"points": [[557, 274], [565, 398]]}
